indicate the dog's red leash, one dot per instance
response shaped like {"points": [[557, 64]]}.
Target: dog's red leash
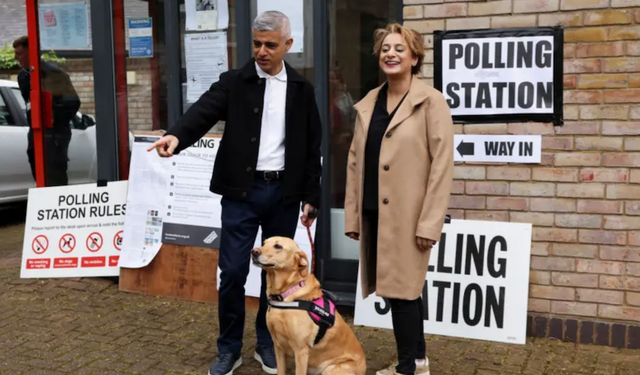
{"points": [[312, 215]]}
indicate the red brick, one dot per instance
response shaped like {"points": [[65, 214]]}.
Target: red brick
{"points": [[574, 308], [539, 305], [456, 214], [619, 312], [560, 19], [623, 3], [502, 216], [425, 26], [552, 292], [604, 112], [553, 205], [603, 81], [507, 203], [621, 128], [622, 159], [604, 175], [578, 128], [494, 7], [624, 33], [540, 277], [635, 176], [577, 159], [552, 264], [568, 50], [445, 10], [627, 254], [578, 221], [555, 234], [487, 188], [509, 173], [582, 66], [547, 159], [574, 279], [555, 174], [557, 143], [534, 128], [600, 296], [633, 299], [532, 189], [457, 201], [633, 48], [622, 64], [540, 248], [633, 269], [457, 187], [620, 283], [585, 34], [601, 267], [468, 22], [535, 218], [621, 222], [622, 96], [574, 250], [463, 172], [623, 192], [412, 12], [583, 4], [607, 17], [632, 208], [513, 21], [634, 80], [569, 82], [580, 190], [582, 97], [599, 144], [632, 144], [485, 129], [600, 49], [599, 207], [603, 237]]}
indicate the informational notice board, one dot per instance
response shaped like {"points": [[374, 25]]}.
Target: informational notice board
{"points": [[477, 285]]}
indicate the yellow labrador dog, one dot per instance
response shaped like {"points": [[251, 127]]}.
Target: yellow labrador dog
{"points": [[301, 320]]}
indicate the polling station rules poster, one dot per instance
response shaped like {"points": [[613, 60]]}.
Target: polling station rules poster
{"points": [[501, 75], [74, 231]]}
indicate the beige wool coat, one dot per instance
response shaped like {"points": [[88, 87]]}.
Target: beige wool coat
{"points": [[415, 179]]}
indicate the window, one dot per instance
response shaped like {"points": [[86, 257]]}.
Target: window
{"points": [[19, 98], [5, 115]]}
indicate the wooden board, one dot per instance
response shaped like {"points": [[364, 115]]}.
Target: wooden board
{"points": [[182, 272]]}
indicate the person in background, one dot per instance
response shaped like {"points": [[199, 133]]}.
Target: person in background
{"points": [[262, 175], [66, 104], [399, 178]]}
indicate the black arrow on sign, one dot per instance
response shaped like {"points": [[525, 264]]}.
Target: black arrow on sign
{"points": [[466, 148]]}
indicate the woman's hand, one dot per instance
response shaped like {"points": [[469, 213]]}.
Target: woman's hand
{"points": [[353, 236], [424, 244]]}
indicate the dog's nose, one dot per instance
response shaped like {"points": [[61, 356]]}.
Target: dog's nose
{"points": [[255, 252]]}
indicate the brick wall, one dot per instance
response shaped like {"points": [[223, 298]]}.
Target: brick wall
{"points": [[584, 198]]}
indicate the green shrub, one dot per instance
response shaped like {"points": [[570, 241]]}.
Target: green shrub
{"points": [[7, 61]]}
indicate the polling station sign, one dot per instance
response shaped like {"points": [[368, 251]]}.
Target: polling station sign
{"points": [[501, 75], [74, 231], [477, 285], [498, 148]]}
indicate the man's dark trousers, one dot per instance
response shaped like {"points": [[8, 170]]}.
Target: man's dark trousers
{"points": [[263, 207]]}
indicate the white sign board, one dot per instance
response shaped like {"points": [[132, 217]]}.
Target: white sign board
{"points": [[294, 10], [503, 75], [206, 58], [74, 231], [477, 286], [498, 148]]}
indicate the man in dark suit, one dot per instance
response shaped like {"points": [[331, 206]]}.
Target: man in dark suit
{"points": [[66, 104], [267, 164]]}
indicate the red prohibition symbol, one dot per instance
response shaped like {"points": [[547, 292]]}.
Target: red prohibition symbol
{"points": [[67, 243], [94, 242], [40, 244], [117, 241]]}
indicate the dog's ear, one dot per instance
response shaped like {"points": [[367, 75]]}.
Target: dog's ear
{"points": [[303, 263]]}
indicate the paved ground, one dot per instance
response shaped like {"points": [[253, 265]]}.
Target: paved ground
{"points": [[86, 326]]}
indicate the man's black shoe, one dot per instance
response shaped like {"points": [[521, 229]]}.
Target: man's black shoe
{"points": [[225, 364], [267, 358]]}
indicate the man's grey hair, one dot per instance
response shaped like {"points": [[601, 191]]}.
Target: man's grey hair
{"points": [[272, 20]]}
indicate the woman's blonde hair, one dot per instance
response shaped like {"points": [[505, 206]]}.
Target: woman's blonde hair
{"points": [[411, 37]]}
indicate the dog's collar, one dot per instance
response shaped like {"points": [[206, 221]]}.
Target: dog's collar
{"points": [[287, 293]]}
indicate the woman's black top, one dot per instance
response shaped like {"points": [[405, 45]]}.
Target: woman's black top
{"points": [[379, 122]]}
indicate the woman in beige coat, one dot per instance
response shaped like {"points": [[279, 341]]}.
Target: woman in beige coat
{"points": [[399, 178]]}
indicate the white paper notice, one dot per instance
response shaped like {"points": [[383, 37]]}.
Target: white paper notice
{"points": [[223, 15], [146, 203], [202, 15], [206, 56], [294, 10]]}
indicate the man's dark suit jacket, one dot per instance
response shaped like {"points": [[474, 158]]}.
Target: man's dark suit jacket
{"points": [[238, 99]]}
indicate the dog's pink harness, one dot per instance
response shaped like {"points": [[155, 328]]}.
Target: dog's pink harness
{"points": [[321, 310]]}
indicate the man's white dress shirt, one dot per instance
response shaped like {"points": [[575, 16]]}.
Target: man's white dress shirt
{"points": [[272, 133]]}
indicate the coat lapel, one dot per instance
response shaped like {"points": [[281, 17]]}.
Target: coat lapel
{"points": [[365, 107], [417, 94]]}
